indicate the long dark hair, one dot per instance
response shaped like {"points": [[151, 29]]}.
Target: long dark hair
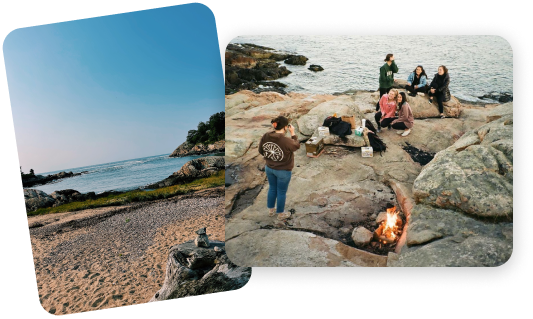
{"points": [[387, 58], [404, 99], [280, 122], [421, 73], [445, 69]]}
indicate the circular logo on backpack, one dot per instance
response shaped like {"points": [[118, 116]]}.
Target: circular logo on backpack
{"points": [[272, 151]]}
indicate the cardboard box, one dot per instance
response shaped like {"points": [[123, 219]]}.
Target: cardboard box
{"points": [[314, 146], [323, 131], [349, 119], [367, 151]]}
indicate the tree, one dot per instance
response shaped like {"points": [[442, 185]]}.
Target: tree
{"points": [[192, 136], [209, 132]]}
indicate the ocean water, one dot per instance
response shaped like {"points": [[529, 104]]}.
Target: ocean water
{"points": [[119, 176], [477, 65]]}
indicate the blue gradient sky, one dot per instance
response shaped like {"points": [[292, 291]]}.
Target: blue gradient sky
{"points": [[112, 88]]}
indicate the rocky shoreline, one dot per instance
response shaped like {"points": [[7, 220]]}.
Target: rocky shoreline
{"points": [[256, 68], [192, 170], [187, 149], [37, 180]]}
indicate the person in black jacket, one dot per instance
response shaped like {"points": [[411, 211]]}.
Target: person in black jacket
{"points": [[439, 88]]}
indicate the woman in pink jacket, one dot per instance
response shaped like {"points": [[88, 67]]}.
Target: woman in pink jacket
{"points": [[387, 109], [405, 119]]}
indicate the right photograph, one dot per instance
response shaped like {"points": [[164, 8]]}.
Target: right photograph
{"points": [[369, 151]]}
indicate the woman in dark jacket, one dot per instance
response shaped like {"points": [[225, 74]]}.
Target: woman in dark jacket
{"points": [[439, 88]]}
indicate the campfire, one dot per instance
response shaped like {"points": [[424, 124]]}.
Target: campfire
{"points": [[390, 230]]}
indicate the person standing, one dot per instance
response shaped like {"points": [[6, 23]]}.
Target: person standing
{"points": [[278, 151], [386, 76], [439, 88], [416, 81], [387, 109], [405, 118]]}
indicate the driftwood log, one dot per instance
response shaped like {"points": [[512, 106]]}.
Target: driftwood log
{"points": [[195, 271]]}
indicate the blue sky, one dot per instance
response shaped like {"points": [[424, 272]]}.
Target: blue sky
{"points": [[112, 88]]}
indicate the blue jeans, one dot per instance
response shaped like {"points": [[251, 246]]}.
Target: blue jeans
{"points": [[278, 182]]}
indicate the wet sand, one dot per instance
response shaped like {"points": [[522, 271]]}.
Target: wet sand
{"points": [[116, 256]]}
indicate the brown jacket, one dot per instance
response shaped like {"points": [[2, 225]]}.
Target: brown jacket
{"points": [[405, 115], [278, 150]]}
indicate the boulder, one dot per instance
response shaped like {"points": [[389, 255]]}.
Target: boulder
{"points": [[315, 68], [464, 201], [296, 60], [423, 109], [193, 169], [474, 175], [361, 236], [443, 237], [181, 150], [503, 97], [342, 105], [192, 271], [285, 248], [36, 199]]}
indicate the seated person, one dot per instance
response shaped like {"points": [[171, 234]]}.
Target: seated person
{"points": [[439, 88], [387, 109], [416, 81], [405, 119]]}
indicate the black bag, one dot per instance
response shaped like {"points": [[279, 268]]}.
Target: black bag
{"points": [[370, 126], [342, 129], [338, 127], [376, 143], [331, 121]]}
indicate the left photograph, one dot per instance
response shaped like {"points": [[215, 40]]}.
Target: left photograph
{"points": [[119, 122]]}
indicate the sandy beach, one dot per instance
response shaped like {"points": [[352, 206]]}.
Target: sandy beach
{"points": [[116, 256]]}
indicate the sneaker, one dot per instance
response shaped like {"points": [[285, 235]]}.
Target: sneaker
{"points": [[406, 132], [442, 116], [272, 212], [399, 132], [389, 127], [283, 216], [430, 101], [378, 130]]}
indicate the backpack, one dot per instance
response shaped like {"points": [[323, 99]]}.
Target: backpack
{"points": [[331, 121], [338, 127], [376, 143], [342, 129]]}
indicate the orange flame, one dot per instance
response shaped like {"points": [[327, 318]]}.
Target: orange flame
{"points": [[390, 227]]}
